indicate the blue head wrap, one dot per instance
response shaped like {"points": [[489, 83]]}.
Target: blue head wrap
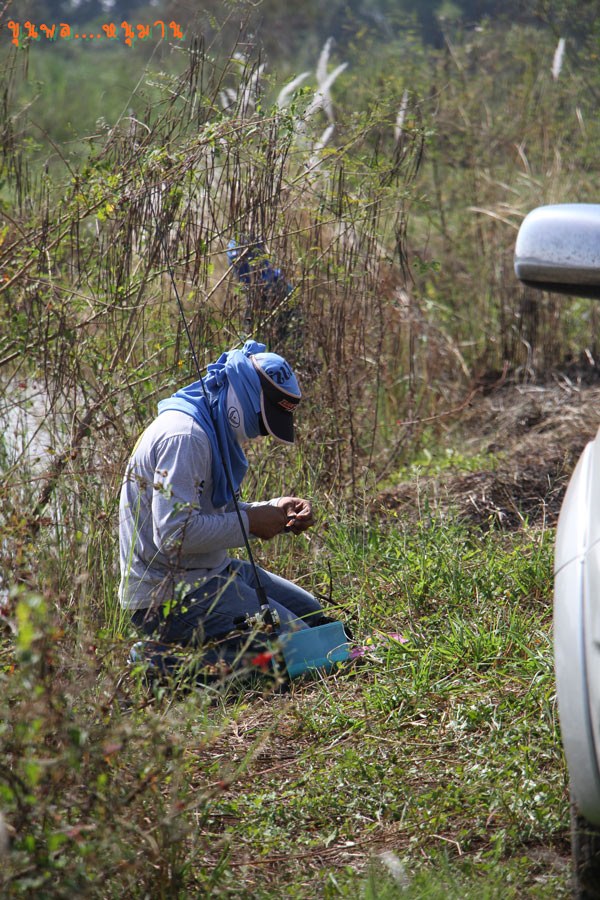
{"points": [[233, 369]]}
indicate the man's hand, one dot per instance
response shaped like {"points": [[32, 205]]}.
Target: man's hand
{"points": [[299, 514], [266, 521]]}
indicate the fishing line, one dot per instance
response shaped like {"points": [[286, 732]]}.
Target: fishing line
{"points": [[268, 615]]}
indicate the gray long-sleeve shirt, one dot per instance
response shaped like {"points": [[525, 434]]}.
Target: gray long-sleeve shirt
{"points": [[170, 533]]}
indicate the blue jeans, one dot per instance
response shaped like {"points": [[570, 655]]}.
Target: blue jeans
{"points": [[219, 606]]}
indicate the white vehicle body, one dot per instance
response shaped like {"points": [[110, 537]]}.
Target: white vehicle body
{"points": [[558, 249], [577, 629]]}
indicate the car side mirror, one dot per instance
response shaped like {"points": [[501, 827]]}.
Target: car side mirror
{"points": [[558, 249]]}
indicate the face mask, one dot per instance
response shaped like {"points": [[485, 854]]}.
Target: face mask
{"points": [[235, 416]]}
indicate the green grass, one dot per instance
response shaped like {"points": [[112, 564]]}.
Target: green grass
{"points": [[431, 768]]}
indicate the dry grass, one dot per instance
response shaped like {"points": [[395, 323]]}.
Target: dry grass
{"points": [[527, 439]]}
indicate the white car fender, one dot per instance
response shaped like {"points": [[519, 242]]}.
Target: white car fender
{"points": [[577, 629]]}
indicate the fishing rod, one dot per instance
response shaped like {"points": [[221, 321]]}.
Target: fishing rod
{"points": [[266, 614], [318, 647]]}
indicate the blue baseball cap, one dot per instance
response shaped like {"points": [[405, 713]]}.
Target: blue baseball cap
{"points": [[279, 396]]}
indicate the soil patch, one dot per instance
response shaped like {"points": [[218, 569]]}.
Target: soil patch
{"points": [[533, 434]]}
